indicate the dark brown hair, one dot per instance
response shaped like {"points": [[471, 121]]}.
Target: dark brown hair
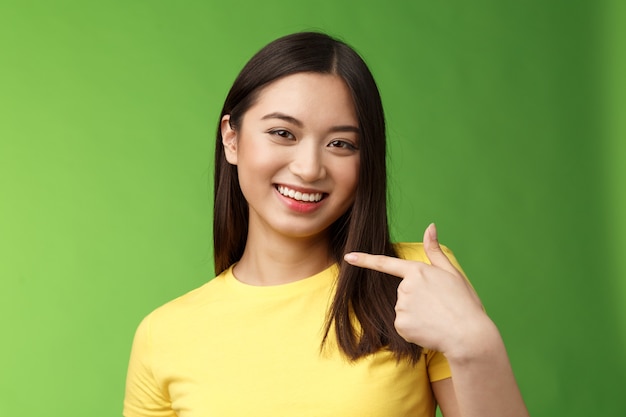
{"points": [[368, 295]]}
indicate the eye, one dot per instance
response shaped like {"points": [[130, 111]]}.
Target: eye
{"points": [[282, 133], [342, 144]]}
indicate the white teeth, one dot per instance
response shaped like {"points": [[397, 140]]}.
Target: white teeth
{"points": [[297, 195]]}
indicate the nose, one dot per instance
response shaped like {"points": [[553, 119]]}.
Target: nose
{"points": [[307, 162]]}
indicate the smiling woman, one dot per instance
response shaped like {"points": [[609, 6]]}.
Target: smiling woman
{"points": [[300, 136], [314, 311]]}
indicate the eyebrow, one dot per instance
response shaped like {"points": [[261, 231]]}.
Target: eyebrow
{"points": [[294, 121]]}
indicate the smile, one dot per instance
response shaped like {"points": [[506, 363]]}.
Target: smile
{"points": [[299, 196]]}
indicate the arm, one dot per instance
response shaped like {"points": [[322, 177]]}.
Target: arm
{"points": [[144, 397], [437, 308], [481, 386]]}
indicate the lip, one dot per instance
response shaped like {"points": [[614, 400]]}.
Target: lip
{"points": [[301, 189], [300, 206]]}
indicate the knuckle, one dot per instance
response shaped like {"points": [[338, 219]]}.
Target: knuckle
{"points": [[416, 268], [408, 286], [379, 262], [401, 324], [398, 323], [402, 288]]}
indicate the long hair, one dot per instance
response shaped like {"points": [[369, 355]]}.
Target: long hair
{"points": [[366, 295]]}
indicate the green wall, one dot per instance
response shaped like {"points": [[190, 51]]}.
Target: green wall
{"points": [[506, 128]]}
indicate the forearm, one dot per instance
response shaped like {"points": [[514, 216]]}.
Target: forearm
{"points": [[437, 308], [483, 380]]}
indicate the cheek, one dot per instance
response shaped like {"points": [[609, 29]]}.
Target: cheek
{"points": [[257, 166], [348, 176], [253, 157]]}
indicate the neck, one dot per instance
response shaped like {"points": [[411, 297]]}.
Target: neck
{"points": [[275, 260]]}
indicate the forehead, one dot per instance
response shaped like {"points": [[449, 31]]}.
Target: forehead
{"points": [[309, 97]]}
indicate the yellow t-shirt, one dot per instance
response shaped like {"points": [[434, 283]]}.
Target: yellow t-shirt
{"points": [[231, 349]]}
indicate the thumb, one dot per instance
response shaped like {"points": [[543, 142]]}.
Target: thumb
{"points": [[433, 249]]}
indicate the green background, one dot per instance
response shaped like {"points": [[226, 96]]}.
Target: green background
{"points": [[506, 126]]}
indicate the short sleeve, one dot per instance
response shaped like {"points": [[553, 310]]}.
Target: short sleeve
{"points": [[144, 396], [436, 363], [436, 366], [453, 259], [415, 252]]}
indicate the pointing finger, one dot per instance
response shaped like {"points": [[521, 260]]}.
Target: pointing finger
{"points": [[381, 263]]}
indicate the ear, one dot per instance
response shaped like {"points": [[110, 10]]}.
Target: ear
{"points": [[229, 140]]}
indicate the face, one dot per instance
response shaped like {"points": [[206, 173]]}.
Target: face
{"points": [[297, 155]]}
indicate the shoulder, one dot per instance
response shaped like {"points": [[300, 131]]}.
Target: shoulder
{"points": [[189, 302], [412, 251], [171, 324], [415, 252]]}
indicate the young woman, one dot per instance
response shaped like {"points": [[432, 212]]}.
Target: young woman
{"points": [[314, 311]]}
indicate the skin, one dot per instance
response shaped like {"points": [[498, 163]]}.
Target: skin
{"points": [[438, 309], [281, 141]]}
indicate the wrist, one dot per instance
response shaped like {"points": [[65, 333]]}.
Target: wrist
{"points": [[479, 341]]}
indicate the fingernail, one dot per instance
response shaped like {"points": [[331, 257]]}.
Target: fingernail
{"points": [[433, 231], [350, 257]]}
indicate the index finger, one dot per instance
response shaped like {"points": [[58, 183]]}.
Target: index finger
{"points": [[381, 263]]}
